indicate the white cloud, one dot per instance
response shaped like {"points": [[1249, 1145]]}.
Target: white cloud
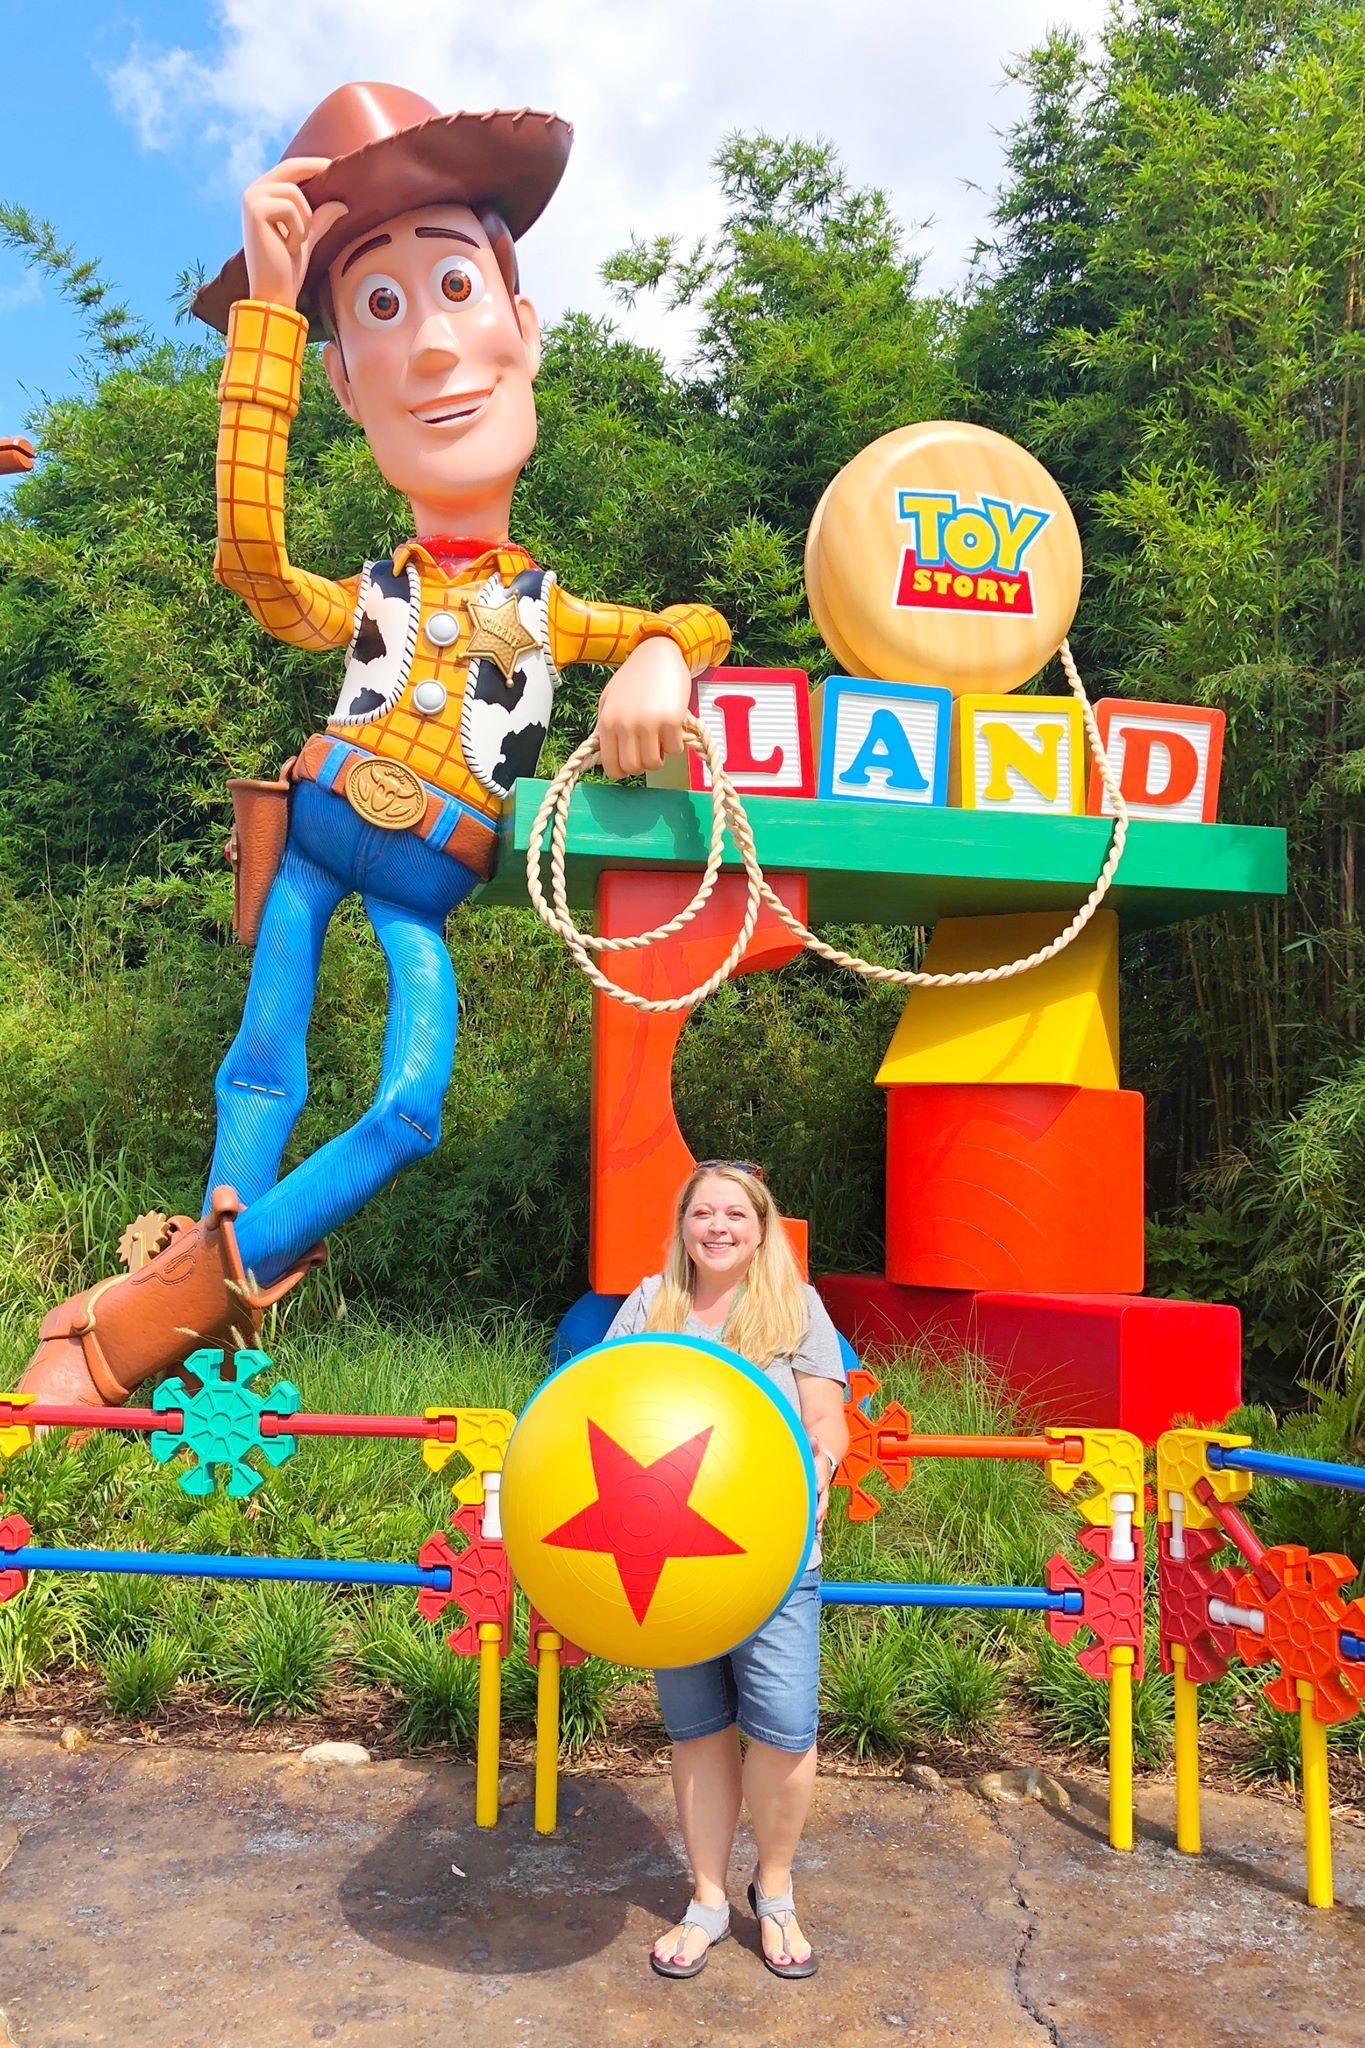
{"points": [[909, 94]]}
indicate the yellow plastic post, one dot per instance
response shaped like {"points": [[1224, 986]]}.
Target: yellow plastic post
{"points": [[547, 1730], [1121, 1660], [1186, 1755], [490, 1725], [1317, 1812]]}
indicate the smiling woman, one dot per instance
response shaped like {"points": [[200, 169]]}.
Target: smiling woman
{"points": [[731, 1277]]}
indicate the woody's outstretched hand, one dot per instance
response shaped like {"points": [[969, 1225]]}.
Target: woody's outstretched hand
{"points": [[280, 230], [640, 715]]}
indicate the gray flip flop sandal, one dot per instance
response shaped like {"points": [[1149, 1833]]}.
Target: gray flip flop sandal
{"points": [[782, 1908], [714, 1922]]}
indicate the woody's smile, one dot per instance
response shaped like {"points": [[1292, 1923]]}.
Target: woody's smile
{"points": [[455, 405]]}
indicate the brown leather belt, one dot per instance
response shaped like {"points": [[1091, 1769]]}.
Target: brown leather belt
{"points": [[388, 794]]}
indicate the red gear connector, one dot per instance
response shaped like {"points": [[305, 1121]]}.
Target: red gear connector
{"points": [[480, 1581], [1112, 1591], [15, 1534], [569, 1653], [1185, 1585]]}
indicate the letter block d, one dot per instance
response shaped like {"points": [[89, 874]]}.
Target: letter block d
{"points": [[1166, 758], [759, 719]]}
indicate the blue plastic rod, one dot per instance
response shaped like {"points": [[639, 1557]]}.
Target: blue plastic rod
{"points": [[836, 1593], [1352, 1647], [189, 1564], [1273, 1465]]}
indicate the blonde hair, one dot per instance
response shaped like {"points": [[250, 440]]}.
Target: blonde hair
{"points": [[769, 1319]]}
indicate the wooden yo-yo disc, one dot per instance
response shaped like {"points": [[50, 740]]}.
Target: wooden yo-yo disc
{"points": [[944, 553]]}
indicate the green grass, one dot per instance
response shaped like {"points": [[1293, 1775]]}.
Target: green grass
{"points": [[139, 1678], [888, 1679]]}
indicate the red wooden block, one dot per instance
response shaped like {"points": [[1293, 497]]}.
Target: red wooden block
{"points": [[1167, 757], [760, 720], [1028, 1188], [1097, 1361]]}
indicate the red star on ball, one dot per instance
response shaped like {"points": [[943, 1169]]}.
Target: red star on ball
{"points": [[641, 1516]]}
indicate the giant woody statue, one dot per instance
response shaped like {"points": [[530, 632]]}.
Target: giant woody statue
{"points": [[389, 229]]}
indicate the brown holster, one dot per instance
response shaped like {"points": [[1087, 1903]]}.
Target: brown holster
{"points": [[260, 825]]}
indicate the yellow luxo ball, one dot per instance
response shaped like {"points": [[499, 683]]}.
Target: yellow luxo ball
{"points": [[658, 1500], [944, 553]]}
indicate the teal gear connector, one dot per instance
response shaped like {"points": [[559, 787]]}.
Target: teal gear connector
{"points": [[222, 1422]]}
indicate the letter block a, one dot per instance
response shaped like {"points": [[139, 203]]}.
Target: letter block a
{"points": [[882, 743], [759, 719], [1167, 759]]}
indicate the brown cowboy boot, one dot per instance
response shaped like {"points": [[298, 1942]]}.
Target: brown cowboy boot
{"points": [[101, 1344]]}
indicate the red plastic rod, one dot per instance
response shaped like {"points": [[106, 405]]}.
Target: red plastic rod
{"points": [[55, 1415], [1239, 1530], [444, 1430]]}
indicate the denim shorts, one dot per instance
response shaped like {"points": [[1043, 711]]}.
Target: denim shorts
{"points": [[770, 1684]]}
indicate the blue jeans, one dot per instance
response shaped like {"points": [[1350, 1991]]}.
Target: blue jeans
{"points": [[408, 889], [770, 1684]]}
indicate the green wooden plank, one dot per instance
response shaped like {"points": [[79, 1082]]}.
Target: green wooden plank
{"points": [[873, 864]]}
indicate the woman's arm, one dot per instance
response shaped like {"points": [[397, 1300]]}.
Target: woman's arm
{"points": [[822, 1411]]}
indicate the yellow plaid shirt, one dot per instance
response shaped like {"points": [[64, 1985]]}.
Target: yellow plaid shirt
{"points": [[259, 396]]}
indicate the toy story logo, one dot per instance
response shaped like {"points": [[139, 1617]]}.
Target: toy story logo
{"points": [[966, 558]]}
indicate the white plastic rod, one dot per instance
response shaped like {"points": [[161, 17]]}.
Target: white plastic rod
{"points": [[1223, 1614], [1121, 1549]]}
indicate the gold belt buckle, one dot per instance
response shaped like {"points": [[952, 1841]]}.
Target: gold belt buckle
{"points": [[385, 793]]}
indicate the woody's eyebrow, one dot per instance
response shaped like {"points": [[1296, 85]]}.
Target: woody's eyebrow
{"points": [[450, 234], [364, 248]]}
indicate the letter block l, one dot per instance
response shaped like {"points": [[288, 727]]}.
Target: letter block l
{"points": [[760, 720]]}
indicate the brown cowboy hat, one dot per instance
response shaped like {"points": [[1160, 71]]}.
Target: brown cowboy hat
{"points": [[392, 151]]}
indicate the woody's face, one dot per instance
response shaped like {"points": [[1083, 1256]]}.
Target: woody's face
{"points": [[435, 360]]}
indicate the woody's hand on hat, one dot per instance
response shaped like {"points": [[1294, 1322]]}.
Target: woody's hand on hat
{"points": [[640, 714], [280, 229]]}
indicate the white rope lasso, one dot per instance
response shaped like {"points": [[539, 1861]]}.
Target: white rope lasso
{"points": [[727, 812]]}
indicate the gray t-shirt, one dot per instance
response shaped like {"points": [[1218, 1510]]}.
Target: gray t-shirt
{"points": [[818, 1353]]}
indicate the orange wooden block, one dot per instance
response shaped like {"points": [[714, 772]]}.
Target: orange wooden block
{"points": [[1167, 758], [1032, 1188], [640, 1157]]}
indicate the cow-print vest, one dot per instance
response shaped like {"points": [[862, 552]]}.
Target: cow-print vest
{"points": [[502, 723]]}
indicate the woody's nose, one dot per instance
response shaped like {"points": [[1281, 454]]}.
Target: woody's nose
{"points": [[435, 346]]}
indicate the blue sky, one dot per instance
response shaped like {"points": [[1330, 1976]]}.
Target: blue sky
{"points": [[132, 129]]}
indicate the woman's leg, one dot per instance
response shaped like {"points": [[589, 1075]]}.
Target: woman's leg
{"points": [[777, 1675], [778, 1784], [706, 1786], [698, 1704]]}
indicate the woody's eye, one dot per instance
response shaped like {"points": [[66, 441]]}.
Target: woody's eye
{"points": [[456, 282], [379, 301]]}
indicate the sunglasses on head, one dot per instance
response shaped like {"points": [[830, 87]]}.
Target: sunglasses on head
{"points": [[739, 1166]]}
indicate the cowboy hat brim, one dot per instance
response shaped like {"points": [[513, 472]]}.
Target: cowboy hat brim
{"points": [[509, 162]]}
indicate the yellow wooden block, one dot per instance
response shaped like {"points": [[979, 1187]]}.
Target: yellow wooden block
{"points": [[1057, 1024], [1018, 754]]}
